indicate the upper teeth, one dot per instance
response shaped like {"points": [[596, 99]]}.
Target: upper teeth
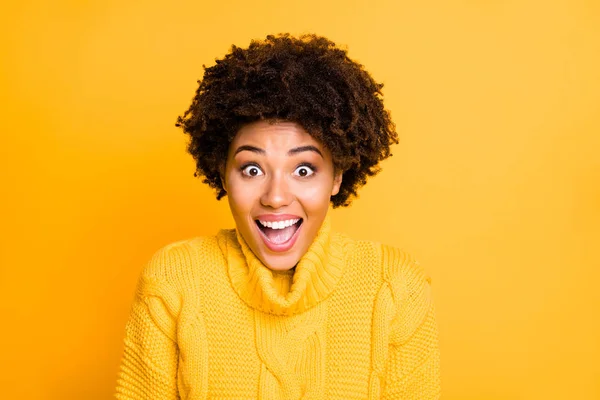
{"points": [[279, 224]]}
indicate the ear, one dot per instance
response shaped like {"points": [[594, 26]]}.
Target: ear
{"points": [[337, 181]]}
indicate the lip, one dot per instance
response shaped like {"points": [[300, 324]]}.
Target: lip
{"points": [[282, 247], [276, 217]]}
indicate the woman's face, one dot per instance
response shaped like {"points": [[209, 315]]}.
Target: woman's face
{"points": [[279, 181]]}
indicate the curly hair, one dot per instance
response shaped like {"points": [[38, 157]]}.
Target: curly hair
{"points": [[306, 80]]}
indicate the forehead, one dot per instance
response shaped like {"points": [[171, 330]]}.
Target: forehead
{"points": [[273, 135]]}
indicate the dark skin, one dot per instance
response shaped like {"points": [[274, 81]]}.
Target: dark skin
{"points": [[279, 169]]}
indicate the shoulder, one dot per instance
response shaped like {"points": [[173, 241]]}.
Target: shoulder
{"points": [[404, 284], [170, 278], [174, 265], [396, 265], [400, 267], [405, 281]]}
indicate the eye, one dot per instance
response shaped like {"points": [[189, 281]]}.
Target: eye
{"points": [[304, 171], [251, 170]]}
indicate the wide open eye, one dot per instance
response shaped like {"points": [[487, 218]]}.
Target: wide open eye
{"points": [[304, 171], [252, 170]]}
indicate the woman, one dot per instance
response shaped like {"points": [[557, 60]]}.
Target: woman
{"points": [[282, 307]]}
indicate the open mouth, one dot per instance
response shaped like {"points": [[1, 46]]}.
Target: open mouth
{"points": [[280, 232]]}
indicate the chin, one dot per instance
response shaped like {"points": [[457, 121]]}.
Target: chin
{"points": [[280, 263]]}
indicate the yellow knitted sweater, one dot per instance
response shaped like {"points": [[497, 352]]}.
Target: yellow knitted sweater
{"points": [[354, 320]]}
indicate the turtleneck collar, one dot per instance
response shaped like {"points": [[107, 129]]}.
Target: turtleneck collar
{"points": [[287, 292]]}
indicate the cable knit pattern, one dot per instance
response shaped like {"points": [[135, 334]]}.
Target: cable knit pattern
{"points": [[353, 320]]}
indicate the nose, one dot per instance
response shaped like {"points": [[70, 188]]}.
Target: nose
{"points": [[276, 192]]}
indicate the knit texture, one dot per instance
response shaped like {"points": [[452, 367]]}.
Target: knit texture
{"points": [[353, 320]]}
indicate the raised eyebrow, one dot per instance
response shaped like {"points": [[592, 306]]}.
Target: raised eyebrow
{"points": [[249, 148], [300, 149]]}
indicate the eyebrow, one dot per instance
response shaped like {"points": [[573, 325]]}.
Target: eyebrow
{"points": [[291, 152], [249, 148], [300, 149]]}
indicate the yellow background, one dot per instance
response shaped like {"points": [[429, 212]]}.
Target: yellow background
{"points": [[494, 187]]}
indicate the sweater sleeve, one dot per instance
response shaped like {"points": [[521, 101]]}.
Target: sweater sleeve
{"points": [[148, 368], [413, 364]]}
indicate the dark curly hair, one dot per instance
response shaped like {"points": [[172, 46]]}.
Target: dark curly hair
{"points": [[306, 80]]}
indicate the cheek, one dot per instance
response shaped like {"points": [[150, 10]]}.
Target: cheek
{"points": [[240, 197], [316, 197]]}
